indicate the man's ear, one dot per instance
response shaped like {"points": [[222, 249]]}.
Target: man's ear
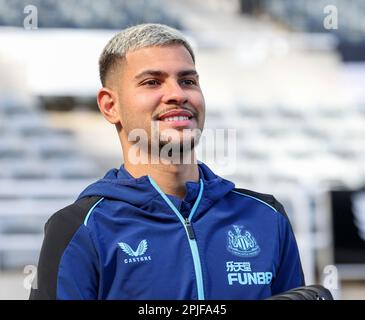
{"points": [[107, 102]]}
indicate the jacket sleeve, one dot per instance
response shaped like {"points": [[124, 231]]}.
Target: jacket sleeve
{"points": [[68, 262], [78, 269], [289, 272]]}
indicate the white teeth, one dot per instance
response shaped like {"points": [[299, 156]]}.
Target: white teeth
{"points": [[179, 118]]}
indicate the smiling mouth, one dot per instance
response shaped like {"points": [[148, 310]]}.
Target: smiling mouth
{"points": [[177, 122], [176, 115], [175, 118]]}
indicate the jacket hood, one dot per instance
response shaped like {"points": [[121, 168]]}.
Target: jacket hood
{"points": [[121, 185]]}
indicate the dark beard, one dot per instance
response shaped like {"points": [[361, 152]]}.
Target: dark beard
{"points": [[183, 147], [177, 153]]}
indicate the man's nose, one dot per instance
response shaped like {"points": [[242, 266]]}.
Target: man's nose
{"points": [[174, 94]]}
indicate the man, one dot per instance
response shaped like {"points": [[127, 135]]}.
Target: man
{"points": [[163, 226]]}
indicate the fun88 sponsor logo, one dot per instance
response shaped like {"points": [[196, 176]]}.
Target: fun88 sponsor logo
{"points": [[241, 273]]}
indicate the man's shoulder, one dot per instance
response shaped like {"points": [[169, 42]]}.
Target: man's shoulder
{"points": [[265, 198], [73, 215], [59, 231]]}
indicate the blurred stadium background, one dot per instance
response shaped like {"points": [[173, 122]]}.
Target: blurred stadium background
{"points": [[292, 89]]}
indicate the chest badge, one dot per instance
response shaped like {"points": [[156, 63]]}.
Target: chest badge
{"points": [[137, 255], [241, 242], [142, 248]]}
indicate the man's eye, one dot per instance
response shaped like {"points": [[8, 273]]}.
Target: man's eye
{"points": [[188, 82], [151, 82]]}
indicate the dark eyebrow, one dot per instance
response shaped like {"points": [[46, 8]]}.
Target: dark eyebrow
{"points": [[184, 73], [157, 73], [154, 73]]}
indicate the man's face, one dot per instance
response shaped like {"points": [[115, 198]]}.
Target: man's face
{"points": [[159, 86]]}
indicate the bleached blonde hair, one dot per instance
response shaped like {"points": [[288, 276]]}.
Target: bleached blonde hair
{"points": [[137, 37]]}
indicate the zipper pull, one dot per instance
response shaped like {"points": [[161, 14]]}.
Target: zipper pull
{"points": [[189, 229]]}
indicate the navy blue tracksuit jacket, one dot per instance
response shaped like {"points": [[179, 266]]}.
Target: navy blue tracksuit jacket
{"points": [[125, 239]]}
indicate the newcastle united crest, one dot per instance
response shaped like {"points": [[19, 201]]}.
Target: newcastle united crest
{"points": [[241, 242]]}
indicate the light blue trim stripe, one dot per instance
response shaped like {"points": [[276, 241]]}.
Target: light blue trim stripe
{"points": [[246, 195], [168, 201], [197, 201], [192, 242], [198, 268], [91, 210], [194, 247]]}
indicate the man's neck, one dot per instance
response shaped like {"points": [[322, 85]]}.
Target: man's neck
{"points": [[170, 178]]}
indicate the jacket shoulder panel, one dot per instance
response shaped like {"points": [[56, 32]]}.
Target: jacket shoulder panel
{"points": [[267, 199], [58, 232]]}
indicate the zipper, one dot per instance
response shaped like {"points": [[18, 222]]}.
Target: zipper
{"points": [[189, 229], [190, 235], [196, 258]]}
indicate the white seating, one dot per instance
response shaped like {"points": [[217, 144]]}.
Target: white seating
{"points": [[47, 188]]}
